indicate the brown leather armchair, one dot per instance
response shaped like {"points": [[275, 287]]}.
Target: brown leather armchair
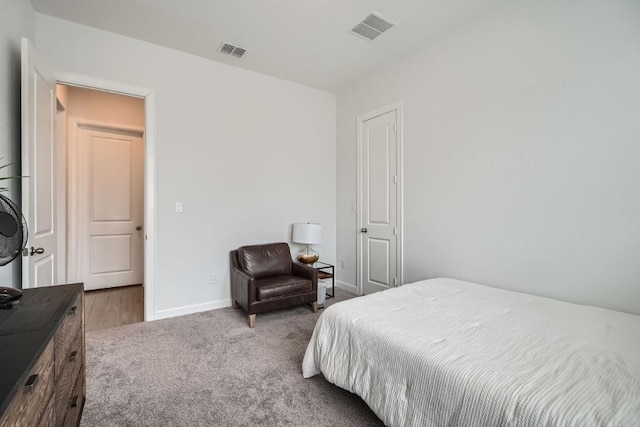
{"points": [[264, 278]]}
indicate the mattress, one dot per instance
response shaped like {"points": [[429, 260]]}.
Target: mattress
{"points": [[446, 352]]}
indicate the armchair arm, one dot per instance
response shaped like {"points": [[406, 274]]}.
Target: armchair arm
{"points": [[306, 272], [242, 284]]}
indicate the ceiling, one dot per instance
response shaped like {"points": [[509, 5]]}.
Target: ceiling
{"points": [[307, 42]]}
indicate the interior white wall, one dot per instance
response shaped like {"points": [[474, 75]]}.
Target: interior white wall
{"points": [[17, 20], [247, 155], [521, 152]]}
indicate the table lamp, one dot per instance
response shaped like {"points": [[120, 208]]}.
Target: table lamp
{"points": [[308, 234]]}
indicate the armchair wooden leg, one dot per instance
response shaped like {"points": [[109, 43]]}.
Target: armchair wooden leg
{"points": [[252, 320], [234, 304], [314, 306]]}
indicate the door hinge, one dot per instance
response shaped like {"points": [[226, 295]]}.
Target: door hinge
{"points": [[395, 127], [395, 179], [395, 281], [395, 231]]}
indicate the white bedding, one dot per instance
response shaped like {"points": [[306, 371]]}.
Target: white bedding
{"points": [[446, 352]]}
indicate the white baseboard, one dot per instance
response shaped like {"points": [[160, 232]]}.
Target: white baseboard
{"points": [[190, 309], [347, 287]]}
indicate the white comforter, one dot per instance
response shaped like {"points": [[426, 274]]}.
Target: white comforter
{"points": [[445, 352]]}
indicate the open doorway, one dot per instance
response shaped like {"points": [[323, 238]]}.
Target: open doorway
{"points": [[101, 202]]}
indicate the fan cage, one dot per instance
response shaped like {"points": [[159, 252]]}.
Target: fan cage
{"points": [[11, 246]]}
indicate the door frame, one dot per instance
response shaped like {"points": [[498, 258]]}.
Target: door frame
{"points": [[73, 79], [397, 107], [75, 123]]}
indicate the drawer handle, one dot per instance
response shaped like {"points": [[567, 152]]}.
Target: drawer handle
{"points": [[31, 384], [73, 310], [73, 355], [73, 402]]}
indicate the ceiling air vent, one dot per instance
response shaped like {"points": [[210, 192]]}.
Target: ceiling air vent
{"points": [[233, 50], [372, 26]]}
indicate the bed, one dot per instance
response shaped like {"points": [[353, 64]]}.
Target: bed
{"points": [[446, 352]]}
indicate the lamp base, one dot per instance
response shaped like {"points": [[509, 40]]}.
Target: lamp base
{"points": [[308, 256]]}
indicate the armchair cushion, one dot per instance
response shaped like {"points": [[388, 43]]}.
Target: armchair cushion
{"points": [[265, 260], [279, 286]]}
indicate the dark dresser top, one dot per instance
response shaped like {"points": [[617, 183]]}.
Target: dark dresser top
{"points": [[26, 329]]}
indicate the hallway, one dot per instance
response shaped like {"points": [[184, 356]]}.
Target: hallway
{"points": [[108, 308]]}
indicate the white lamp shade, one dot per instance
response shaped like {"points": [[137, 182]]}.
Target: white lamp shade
{"points": [[308, 234]]}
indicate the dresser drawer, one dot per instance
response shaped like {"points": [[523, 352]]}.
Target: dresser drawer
{"points": [[74, 404], [66, 378], [31, 400], [49, 417], [66, 334]]}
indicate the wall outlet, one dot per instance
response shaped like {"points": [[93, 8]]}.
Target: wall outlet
{"points": [[214, 278], [179, 207], [343, 264]]}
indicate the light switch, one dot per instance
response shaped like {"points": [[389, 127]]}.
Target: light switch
{"points": [[179, 207]]}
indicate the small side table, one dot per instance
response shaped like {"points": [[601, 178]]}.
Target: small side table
{"points": [[326, 271]]}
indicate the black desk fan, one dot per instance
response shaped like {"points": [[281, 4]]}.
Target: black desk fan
{"points": [[13, 238]]}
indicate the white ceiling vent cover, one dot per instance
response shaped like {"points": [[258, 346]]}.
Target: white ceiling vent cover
{"points": [[233, 50], [372, 26]]}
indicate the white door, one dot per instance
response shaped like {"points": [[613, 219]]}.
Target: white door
{"points": [[110, 206], [38, 157], [379, 224]]}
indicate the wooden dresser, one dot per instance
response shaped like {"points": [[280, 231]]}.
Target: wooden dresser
{"points": [[42, 367]]}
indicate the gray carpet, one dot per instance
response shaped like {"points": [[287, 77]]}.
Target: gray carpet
{"points": [[211, 369]]}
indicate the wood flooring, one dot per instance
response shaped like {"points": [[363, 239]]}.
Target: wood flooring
{"points": [[108, 308]]}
